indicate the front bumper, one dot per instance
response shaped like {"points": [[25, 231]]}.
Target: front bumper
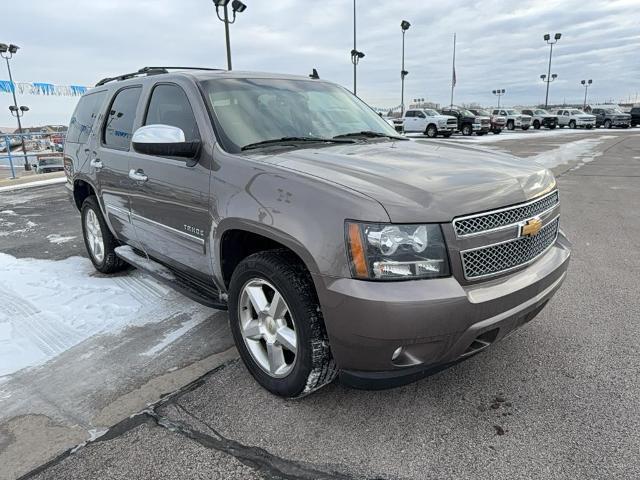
{"points": [[478, 127], [549, 122], [436, 322]]}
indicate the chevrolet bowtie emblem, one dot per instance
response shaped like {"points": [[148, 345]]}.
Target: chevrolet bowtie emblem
{"points": [[531, 227]]}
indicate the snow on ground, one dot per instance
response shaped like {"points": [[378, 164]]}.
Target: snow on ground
{"points": [[583, 151], [512, 135], [55, 238], [50, 306]]}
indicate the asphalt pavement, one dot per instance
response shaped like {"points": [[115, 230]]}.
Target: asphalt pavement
{"points": [[558, 399]]}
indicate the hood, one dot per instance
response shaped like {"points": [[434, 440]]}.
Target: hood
{"points": [[423, 182]]}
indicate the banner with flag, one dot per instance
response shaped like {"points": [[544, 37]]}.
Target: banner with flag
{"points": [[41, 88]]}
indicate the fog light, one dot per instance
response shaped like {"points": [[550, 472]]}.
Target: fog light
{"points": [[396, 353]]}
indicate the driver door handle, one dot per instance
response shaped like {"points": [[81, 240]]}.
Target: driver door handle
{"points": [[97, 163], [138, 175]]}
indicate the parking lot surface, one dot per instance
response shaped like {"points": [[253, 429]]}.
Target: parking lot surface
{"points": [[556, 399]]}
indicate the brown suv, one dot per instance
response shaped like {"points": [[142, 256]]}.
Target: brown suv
{"points": [[337, 246]]}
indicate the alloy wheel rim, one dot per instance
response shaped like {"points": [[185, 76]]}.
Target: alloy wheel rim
{"points": [[94, 236], [267, 327]]}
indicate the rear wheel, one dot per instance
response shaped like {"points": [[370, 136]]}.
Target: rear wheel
{"points": [[98, 239], [525, 128], [467, 130], [431, 131], [497, 131], [277, 324]]}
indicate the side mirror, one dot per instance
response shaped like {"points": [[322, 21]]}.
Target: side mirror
{"points": [[164, 141]]}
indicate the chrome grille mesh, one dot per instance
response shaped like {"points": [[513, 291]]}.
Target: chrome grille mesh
{"points": [[506, 256], [483, 222]]}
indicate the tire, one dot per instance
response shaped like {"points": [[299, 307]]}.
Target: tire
{"points": [[431, 131], [480, 133], [589, 127], [536, 125], [525, 128], [108, 261], [511, 125], [572, 124], [607, 124], [446, 134], [497, 131], [467, 130], [551, 127], [312, 365]]}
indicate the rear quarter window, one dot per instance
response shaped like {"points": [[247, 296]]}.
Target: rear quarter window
{"points": [[84, 117]]}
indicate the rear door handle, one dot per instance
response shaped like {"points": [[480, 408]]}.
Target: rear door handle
{"points": [[97, 163], [138, 175]]}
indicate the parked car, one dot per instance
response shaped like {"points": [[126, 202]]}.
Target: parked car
{"points": [[498, 123], [515, 119], [541, 118], [635, 116], [468, 124], [337, 251], [574, 118], [609, 117], [48, 163], [429, 122]]}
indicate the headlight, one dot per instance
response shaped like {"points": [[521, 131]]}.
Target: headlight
{"points": [[395, 252]]}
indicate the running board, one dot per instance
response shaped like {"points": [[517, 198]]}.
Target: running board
{"points": [[195, 289]]}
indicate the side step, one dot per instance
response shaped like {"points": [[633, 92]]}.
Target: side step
{"points": [[195, 289]]}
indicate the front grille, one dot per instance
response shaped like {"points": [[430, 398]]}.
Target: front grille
{"points": [[452, 121], [485, 121], [506, 256], [483, 222]]}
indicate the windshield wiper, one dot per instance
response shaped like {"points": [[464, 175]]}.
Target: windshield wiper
{"points": [[368, 133], [292, 140]]}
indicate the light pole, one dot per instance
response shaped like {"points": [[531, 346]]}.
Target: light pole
{"points": [[498, 93], [551, 43], [548, 80], [586, 84], [7, 52], [404, 25], [238, 7], [356, 56]]}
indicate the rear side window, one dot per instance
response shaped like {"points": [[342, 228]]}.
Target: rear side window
{"points": [[118, 127], [84, 117], [169, 105]]}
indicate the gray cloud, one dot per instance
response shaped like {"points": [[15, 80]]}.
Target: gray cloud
{"points": [[499, 45]]}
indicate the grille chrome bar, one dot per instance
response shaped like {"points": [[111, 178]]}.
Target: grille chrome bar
{"points": [[499, 258], [503, 218]]}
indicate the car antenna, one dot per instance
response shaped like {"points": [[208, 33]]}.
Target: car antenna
{"points": [[314, 74]]}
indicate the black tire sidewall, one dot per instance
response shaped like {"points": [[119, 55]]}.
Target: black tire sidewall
{"points": [[467, 130], [110, 263], [293, 384], [433, 130]]}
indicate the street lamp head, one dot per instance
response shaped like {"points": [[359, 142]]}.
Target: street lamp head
{"points": [[24, 109], [404, 25], [547, 37], [3, 47], [582, 82], [494, 92], [557, 36], [13, 108], [238, 6], [590, 81], [554, 76], [543, 76], [503, 90], [221, 3], [13, 48], [403, 73]]}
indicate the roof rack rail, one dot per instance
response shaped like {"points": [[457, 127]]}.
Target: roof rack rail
{"points": [[148, 71]]}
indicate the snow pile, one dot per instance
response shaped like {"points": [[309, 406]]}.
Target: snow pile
{"points": [[50, 306]]}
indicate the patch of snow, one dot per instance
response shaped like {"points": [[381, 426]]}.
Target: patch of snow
{"points": [[31, 224], [37, 183], [581, 150], [57, 239], [7, 212], [49, 306], [172, 336]]}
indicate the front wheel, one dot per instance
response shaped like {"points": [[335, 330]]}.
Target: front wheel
{"points": [[277, 324], [536, 125], [572, 124], [525, 128], [431, 131], [446, 134], [497, 131], [607, 124], [467, 130], [511, 125], [98, 239], [552, 126]]}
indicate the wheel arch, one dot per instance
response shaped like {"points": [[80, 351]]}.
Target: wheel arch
{"points": [[81, 190]]}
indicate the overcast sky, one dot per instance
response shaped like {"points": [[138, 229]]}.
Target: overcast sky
{"points": [[500, 45]]}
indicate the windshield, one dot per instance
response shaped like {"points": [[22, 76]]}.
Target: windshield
{"points": [[430, 113], [612, 110], [483, 113], [513, 112], [251, 110], [541, 112], [577, 112], [466, 113]]}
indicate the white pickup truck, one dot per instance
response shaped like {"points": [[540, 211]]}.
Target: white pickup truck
{"points": [[574, 118], [429, 122], [515, 119]]}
